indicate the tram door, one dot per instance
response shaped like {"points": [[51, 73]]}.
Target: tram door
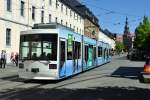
{"points": [[86, 56], [76, 56], [62, 62]]}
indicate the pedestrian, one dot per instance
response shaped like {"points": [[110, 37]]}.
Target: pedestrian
{"points": [[12, 57], [16, 59], [3, 59]]}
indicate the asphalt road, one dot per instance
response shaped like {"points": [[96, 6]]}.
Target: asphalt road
{"points": [[117, 80]]}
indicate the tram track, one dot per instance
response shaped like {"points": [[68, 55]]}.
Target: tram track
{"points": [[12, 83], [35, 86], [28, 91], [8, 79], [15, 90]]}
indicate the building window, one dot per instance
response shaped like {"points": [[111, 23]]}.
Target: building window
{"points": [[74, 15], [61, 7], [8, 37], [80, 19], [66, 24], [33, 12], [61, 22], [22, 8], [56, 3], [66, 11], [70, 26], [56, 19], [80, 31], [74, 28], [70, 13], [42, 16], [9, 5], [50, 2], [50, 18]]}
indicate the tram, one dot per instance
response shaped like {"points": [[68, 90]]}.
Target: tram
{"points": [[53, 52]]}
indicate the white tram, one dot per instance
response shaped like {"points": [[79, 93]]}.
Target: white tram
{"points": [[53, 52]]}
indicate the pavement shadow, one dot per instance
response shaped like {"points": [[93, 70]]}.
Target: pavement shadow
{"points": [[127, 72], [93, 93], [138, 60]]}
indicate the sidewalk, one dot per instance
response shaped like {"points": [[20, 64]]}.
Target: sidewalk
{"points": [[9, 70]]}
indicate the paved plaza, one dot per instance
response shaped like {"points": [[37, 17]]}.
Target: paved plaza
{"points": [[117, 80]]}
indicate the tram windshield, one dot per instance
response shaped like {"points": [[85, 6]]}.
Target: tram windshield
{"points": [[38, 47]]}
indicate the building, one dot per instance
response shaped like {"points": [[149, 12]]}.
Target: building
{"points": [[20, 15], [119, 38], [133, 37], [91, 26], [103, 37], [127, 37], [109, 34]]}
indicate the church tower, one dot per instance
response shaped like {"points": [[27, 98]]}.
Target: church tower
{"points": [[127, 38]]}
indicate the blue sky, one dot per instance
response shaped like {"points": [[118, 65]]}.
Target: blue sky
{"points": [[112, 13]]}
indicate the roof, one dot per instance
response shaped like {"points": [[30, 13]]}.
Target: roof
{"points": [[82, 10]]}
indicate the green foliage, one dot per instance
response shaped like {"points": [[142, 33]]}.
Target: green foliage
{"points": [[119, 46], [142, 35]]}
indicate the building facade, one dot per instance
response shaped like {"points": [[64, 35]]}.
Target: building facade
{"points": [[119, 38], [103, 37], [21, 15], [91, 26]]}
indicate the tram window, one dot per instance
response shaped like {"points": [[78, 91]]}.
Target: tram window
{"points": [[36, 49], [39, 47], [47, 50], [77, 50], [25, 50], [104, 52], [62, 53], [69, 51], [86, 52], [99, 51], [94, 53], [110, 52], [69, 55], [107, 53]]}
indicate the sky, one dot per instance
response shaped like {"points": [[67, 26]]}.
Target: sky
{"points": [[112, 13]]}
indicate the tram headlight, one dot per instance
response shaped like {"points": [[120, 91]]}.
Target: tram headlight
{"points": [[52, 66], [21, 65]]}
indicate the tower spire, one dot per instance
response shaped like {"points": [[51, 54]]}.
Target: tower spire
{"points": [[127, 39], [126, 28]]}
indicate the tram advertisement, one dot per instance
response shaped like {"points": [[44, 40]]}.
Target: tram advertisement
{"points": [[69, 43], [90, 57]]}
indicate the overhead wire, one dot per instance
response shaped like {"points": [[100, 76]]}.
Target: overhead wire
{"points": [[107, 12]]}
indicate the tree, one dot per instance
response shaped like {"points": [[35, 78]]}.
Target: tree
{"points": [[119, 46], [143, 35]]}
